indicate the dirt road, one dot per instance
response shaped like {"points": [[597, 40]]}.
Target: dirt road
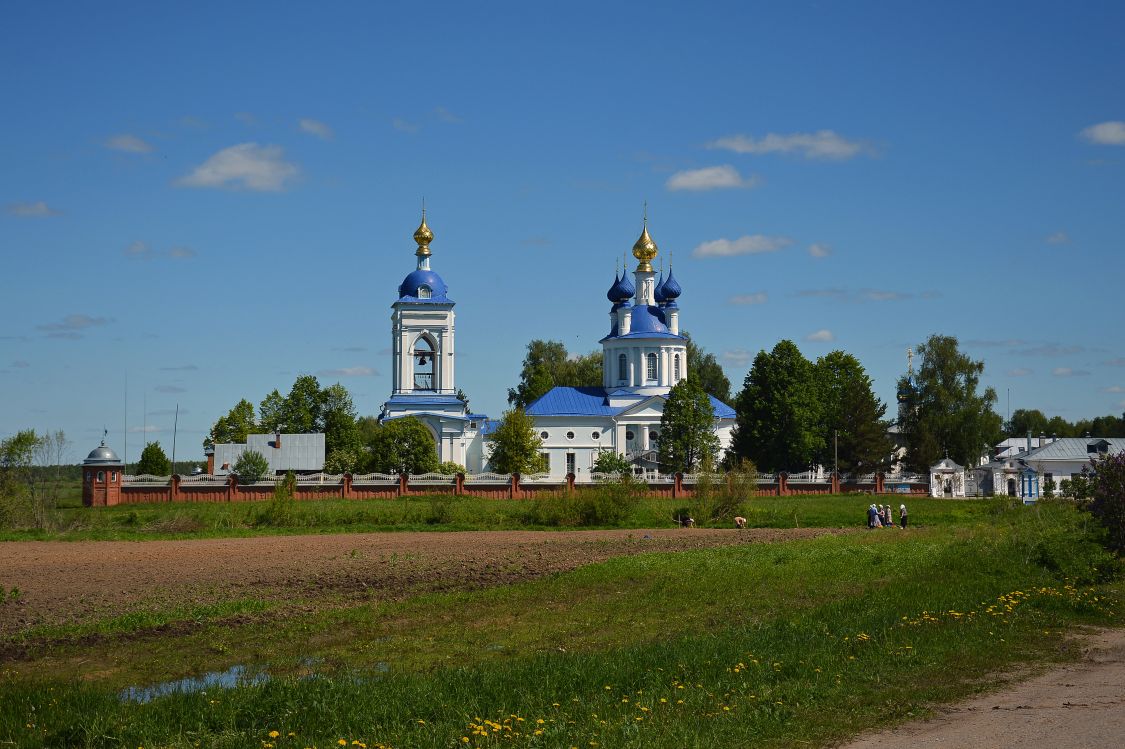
{"points": [[1077, 706], [74, 581]]}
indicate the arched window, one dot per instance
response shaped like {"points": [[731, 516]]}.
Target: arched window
{"points": [[424, 292], [622, 368], [650, 367], [423, 364], [676, 368], [101, 477]]}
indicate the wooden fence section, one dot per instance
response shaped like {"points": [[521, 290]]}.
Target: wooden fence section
{"points": [[207, 488]]}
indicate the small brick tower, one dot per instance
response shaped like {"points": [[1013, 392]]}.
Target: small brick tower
{"points": [[102, 474]]}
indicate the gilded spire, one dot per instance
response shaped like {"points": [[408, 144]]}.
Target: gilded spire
{"points": [[645, 249], [423, 236]]}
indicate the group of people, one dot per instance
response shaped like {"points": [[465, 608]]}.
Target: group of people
{"points": [[882, 516]]}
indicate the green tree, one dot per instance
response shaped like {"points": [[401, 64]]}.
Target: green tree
{"points": [[706, 370], [250, 467], [778, 423], [547, 365], [338, 419], [343, 460], [234, 427], [463, 398], [271, 413], [18, 478], [302, 412], [154, 461], [449, 468], [610, 462], [1031, 421], [1107, 487], [944, 412], [515, 445], [687, 428], [852, 414], [401, 446]]}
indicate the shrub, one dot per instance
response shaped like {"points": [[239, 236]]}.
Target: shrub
{"points": [[1049, 489], [250, 467], [281, 511], [610, 503], [608, 461], [1107, 487], [449, 468]]}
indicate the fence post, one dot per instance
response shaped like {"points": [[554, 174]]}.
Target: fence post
{"points": [[346, 485], [174, 488], [232, 486], [403, 485], [514, 487], [835, 483], [677, 484], [459, 485], [782, 483], [880, 482]]}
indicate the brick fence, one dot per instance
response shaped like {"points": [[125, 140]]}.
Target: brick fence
{"points": [[227, 488]]}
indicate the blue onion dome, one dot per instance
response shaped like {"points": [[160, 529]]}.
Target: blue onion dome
{"points": [[626, 288], [658, 293], [423, 286], [671, 287], [614, 293]]}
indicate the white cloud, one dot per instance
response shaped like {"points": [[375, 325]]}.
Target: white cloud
{"points": [[1059, 237], [823, 144], [1114, 363], [138, 249], [404, 126], [146, 429], [758, 297], [1110, 133], [1068, 372], [1019, 372], [247, 165], [445, 115], [710, 178], [181, 253], [882, 295], [738, 357], [38, 209], [821, 336], [317, 128], [72, 325], [818, 249], [1110, 389], [748, 245], [348, 372], [128, 143], [181, 368]]}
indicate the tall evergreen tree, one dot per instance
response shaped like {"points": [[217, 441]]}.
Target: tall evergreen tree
{"points": [[943, 412], [778, 412], [853, 426], [687, 428]]}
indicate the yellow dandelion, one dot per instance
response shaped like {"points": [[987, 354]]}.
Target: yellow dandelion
{"points": [[275, 734]]}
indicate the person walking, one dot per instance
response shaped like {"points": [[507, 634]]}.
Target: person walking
{"points": [[902, 515]]}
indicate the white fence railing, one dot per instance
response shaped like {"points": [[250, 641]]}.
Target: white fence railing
{"points": [[374, 478], [488, 477], [146, 479], [432, 479], [540, 478], [320, 478], [203, 478]]}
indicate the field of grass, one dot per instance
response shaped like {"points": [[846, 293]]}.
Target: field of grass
{"points": [[800, 642], [212, 520]]}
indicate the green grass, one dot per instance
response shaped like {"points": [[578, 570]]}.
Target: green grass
{"points": [[758, 645], [216, 520]]}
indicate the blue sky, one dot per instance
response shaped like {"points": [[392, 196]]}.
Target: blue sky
{"points": [[207, 202]]}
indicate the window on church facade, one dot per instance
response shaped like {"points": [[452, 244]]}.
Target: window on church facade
{"points": [[622, 368], [650, 366], [423, 292], [676, 368], [423, 365]]}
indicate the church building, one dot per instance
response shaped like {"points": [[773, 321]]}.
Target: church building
{"points": [[424, 362], [643, 356]]}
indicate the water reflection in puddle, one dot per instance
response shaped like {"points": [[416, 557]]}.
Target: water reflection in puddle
{"points": [[232, 677]]}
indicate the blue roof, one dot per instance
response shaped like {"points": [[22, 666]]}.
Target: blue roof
{"points": [[647, 319], [430, 399], [594, 401], [658, 294], [671, 287], [408, 289]]}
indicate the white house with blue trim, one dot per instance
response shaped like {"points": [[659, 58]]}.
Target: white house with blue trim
{"points": [[643, 356]]}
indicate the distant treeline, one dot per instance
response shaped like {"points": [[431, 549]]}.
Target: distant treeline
{"points": [[1035, 422]]}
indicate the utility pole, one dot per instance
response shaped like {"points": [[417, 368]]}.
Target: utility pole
{"points": [[836, 450], [175, 427]]}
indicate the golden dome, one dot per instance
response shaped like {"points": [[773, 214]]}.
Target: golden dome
{"points": [[645, 250], [423, 236]]}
